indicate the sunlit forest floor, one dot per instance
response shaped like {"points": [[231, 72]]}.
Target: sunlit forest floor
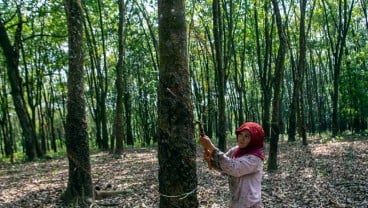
{"points": [[325, 173]]}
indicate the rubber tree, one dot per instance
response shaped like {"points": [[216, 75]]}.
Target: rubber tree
{"points": [[176, 146], [79, 188]]}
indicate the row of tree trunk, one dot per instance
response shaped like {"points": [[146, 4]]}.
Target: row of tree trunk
{"points": [[175, 132]]}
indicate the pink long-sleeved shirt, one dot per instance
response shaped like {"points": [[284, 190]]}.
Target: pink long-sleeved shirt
{"points": [[245, 177]]}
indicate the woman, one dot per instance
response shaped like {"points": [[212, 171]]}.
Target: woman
{"points": [[242, 163]]}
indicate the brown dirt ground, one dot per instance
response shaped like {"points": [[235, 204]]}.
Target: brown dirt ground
{"points": [[325, 173]]}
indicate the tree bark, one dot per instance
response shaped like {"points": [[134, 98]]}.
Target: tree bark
{"points": [[279, 71], [264, 67], [220, 75], [119, 133], [176, 146], [79, 189], [298, 81], [12, 59], [6, 131], [103, 74]]}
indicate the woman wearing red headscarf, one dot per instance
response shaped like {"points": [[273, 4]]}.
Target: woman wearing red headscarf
{"points": [[242, 163]]}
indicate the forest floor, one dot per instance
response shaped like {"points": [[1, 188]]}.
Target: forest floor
{"points": [[323, 174]]}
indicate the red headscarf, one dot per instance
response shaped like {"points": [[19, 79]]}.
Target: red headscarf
{"points": [[255, 146]]}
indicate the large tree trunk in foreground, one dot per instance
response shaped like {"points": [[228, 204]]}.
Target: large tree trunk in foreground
{"points": [[176, 146], [79, 189]]}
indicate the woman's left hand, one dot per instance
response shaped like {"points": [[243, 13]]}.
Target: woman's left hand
{"points": [[207, 155]]}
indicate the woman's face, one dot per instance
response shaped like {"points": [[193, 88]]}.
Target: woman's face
{"points": [[243, 139]]}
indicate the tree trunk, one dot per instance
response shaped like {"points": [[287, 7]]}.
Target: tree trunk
{"points": [[239, 77], [97, 78], [298, 81], [176, 146], [92, 78], [51, 115], [79, 188], [279, 70], [119, 126], [145, 113], [104, 81], [264, 67], [6, 133], [337, 48], [301, 71], [220, 78], [301, 120], [12, 59], [128, 112]]}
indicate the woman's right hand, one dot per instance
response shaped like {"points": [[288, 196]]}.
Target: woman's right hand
{"points": [[207, 143]]}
